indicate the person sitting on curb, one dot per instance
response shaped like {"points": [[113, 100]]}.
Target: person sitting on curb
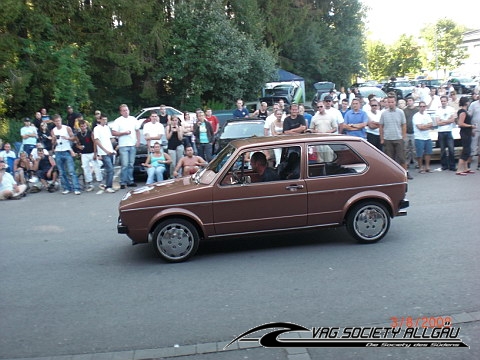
{"points": [[8, 186], [189, 164]]}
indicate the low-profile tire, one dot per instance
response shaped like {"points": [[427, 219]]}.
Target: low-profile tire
{"points": [[175, 240], [368, 222]]}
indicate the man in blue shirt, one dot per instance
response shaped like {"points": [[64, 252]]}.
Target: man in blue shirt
{"points": [[240, 111], [355, 120]]}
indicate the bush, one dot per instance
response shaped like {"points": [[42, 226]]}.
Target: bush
{"points": [[10, 130]]}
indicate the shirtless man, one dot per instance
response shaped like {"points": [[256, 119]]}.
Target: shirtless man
{"points": [[189, 164]]}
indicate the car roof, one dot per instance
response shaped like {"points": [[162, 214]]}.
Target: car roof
{"points": [[292, 139]]}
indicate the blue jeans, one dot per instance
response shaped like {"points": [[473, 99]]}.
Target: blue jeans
{"points": [[445, 140], [155, 173], [205, 151], [67, 170], [127, 160], [108, 167]]}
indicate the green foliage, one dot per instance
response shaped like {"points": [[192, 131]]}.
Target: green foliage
{"points": [[399, 59], [186, 53], [443, 40], [10, 130]]}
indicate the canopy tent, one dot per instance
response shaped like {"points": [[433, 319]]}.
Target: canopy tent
{"points": [[284, 75]]}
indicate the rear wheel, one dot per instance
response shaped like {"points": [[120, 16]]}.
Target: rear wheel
{"points": [[368, 222], [176, 240]]}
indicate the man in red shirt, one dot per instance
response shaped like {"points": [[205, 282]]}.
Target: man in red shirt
{"points": [[212, 119]]}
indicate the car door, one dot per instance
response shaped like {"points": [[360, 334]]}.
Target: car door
{"points": [[255, 207], [333, 178]]}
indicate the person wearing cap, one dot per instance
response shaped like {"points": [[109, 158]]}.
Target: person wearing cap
{"points": [[330, 110], [29, 136], [9, 189]]}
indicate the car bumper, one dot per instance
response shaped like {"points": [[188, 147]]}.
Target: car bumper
{"points": [[122, 229], [402, 206]]}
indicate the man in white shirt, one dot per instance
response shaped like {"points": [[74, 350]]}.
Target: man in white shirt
{"points": [[6, 154], [127, 130], [8, 186], [422, 124], [373, 133], [29, 136], [153, 130], [335, 113], [62, 136], [102, 136], [322, 122], [445, 118]]}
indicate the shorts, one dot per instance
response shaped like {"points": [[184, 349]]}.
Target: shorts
{"points": [[423, 147]]}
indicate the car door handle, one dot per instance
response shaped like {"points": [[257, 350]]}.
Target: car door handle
{"points": [[294, 187]]}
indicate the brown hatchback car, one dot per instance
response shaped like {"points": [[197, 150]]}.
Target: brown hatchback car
{"points": [[313, 181]]}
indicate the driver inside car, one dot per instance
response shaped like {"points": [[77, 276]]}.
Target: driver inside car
{"points": [[259, 164]]}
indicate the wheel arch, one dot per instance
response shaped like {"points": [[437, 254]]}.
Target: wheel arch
{"points": [[367, 197], [175, 214]]}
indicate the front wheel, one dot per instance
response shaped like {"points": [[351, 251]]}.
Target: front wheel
{"points": [[368, 222], [176, 240]]}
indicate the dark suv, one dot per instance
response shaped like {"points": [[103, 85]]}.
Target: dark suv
{"points": [[321, 87], [463, 85]]}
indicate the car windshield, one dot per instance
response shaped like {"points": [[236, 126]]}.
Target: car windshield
{"points": [[403, 84], [244, 129], [206, 175], [464, 80]]}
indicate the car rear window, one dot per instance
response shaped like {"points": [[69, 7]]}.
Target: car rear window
{"points": [[333, 159]]}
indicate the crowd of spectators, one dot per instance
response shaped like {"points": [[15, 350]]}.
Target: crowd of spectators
{"points": [[54, 153]]}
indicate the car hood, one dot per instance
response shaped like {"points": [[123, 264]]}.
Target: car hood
{"points": [[168, 192]]}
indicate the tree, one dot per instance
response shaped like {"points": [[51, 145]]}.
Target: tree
{"points": [[377, 60], [209, 58], [443, 40], [404, 57]]}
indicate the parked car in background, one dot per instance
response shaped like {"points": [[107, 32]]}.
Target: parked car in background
{"points": [[142, 118], [237, 129], [364, 91], [402, 88], [144, 114], [457, 141], [430, 83], [319, 181], [462, 85]]}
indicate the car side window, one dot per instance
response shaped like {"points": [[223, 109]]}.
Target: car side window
{"points": [[333, 160], [265, 165]]}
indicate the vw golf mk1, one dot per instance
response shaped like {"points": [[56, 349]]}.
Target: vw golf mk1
{"points": [[269, 184]]}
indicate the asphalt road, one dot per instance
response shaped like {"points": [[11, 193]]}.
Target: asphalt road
{"points": [[71, 285]]}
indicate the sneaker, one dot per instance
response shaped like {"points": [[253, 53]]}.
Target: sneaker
{"points": [[109, 190], [132, 185], [65, 192], [99, 192], [102, 186], [77, 192], [122, 186], [89, 187]]}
